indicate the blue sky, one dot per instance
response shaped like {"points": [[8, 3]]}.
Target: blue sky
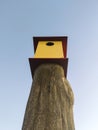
{"points": [[21, 20]]}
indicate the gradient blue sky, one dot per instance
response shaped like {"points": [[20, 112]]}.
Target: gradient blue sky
{"points": [[20, 20]]}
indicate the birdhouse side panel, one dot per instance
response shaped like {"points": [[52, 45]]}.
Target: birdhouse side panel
{"points": [[52, 50]]}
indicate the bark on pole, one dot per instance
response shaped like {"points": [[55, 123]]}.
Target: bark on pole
{"points": [[50, 104]]}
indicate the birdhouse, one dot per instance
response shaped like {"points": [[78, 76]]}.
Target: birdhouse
{"points": [[49, 50]]}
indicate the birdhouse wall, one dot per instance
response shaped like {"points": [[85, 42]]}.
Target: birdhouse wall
{"points": [[49, 49]]}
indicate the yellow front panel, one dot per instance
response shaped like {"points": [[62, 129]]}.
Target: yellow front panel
{"points": [[49, 51]]}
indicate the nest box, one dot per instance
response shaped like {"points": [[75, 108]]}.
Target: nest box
{"points": [[49, 50]]}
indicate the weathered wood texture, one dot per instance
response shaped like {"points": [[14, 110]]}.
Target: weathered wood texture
{"points": [[50, 104]]}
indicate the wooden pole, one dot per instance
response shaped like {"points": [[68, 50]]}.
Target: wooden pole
{"points": [[50, 104]]}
